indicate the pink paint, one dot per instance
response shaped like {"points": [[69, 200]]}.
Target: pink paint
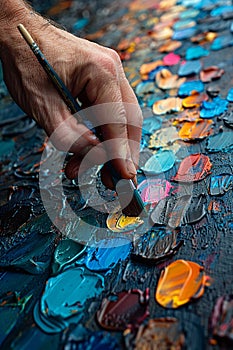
{"points": [[171, 59], [153, 190]]}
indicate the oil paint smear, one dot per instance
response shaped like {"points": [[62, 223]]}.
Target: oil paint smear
{"points": [[156, 245], [214, 108], [159, 162], [153, 190], [180, 282], [166, 80], [211, 73], [64, 297], [157, 333], [196, 130], [107, 253], [219, 184], [169, 46], [189, 68], [119, 310], [195, 99], [222, 142], [189, 115], [168, 105], [66, 253], [193, 168], [118, 222], [163, 137], [221, 322]]}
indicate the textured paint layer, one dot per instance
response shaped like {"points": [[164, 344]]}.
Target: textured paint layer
{"points": [[197, 130], [180, 282], [219, 184], [160, 162], [223, 141], [118, 222], [153, 190], [193, 168]]}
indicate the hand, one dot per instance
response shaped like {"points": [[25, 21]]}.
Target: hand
{"points": [[94, 75]]}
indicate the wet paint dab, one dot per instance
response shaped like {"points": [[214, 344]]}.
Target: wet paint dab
{"points": [[230, 95], [169, 46], [196, 52], [175, 212], [124, 308], [107, 253], [153, 190], [66, 253], [166, 80], [163, 34], [156, 245], [221, 42], [168, 105], [223, 142], [188, 87], [219, 184], [193, 168], [184, 24], [228, 118], [204, 38], [189, 68], [189, 115], [184, 34], [151, 124], [211, 73], [197, 130], [179, 283], [163, 137], [62, 302], [221, 322], [157, 333], [171, 59], [145, 87], [160, 162], [221, 10], [148, 67], [118, 222], [195, 99]]}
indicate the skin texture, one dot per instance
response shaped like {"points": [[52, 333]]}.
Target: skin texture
{"points": [[91, 72]]}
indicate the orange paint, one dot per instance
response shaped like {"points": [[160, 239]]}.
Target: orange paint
{"points": [[204, 38], [194, 130], [211, 73], [170, 46], [170, 104], [166, 80], [180, 282], [193, 168], [187, 115], [195, 99], [148, 67]]}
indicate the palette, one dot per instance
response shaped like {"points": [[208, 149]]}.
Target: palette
{"points": [[101, 282]]}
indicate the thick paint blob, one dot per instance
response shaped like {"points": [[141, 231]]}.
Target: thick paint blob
{"points": [[221, 42], [196, 52], [191, 131], [160, 162], [170, 45], [153, 190], [221, 319], [170, 104], [195, 99], [163, 137], [223, 142], [180, 282], [230, 95], [214, 108], [124, 308], [64, 297], [166, 80], [184, 34], [189, 68], [156, 334], [66, 253], [156, 245], [171, 59], [211, 73], [188, 87], [151, 124], [193, 168], [106, 253], [219, 184], [118, 222]]}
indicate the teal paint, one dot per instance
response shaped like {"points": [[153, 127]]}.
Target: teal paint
{"points": [[159, 163]]}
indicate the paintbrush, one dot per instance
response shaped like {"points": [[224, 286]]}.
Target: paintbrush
{"points": [[129, 197]]}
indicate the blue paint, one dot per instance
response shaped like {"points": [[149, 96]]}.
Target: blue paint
{"points": [[196, 52], [221, 10], [221, 42], [160, 162], [183, 24], [184, 34], [189, 86], [151, 124], [230, 95], [152, 74], [189, 68], [107, 253], [214, 108], [223, 141], [145, 87], [231, 29], [63, 300], [189, 13], [80, 24], [219, 184], [66, 253]]}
